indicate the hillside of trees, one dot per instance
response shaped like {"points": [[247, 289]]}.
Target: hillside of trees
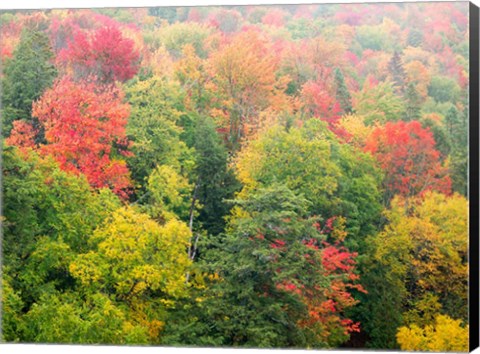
{"points": [[254, 176]]}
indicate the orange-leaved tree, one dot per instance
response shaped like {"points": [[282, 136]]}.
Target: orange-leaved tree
{"points": [[243, 74], [85, 131]]}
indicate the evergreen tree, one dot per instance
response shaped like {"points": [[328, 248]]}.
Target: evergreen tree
{"points": [[27, 74], [380, 310], [276, 276], [457, 128], [397, 73], [415, 38], [247, 308], [413, 103], [215, 181], [452, 122], [440, 134], [342, 94]]}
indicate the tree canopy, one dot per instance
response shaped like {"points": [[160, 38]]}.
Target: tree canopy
{"points": [[281, 176]]}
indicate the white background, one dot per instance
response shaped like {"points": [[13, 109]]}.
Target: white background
{"points": [[57, 349]]}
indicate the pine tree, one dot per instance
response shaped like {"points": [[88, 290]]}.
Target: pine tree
{"points": [[215, 180], [452, 121], [27, 75], [342, 94], [279, 274], [395, 67], [412, 103], [457, 129], [415, 38]]}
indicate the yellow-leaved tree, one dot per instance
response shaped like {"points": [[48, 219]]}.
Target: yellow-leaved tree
{"points": [[139, 264], [446, 335], [424, 251]]}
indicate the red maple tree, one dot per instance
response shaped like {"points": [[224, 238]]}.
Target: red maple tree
{"points": [[82, 125], [407, 154], [105, 54]]}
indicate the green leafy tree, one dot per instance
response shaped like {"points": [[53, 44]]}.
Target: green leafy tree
{"points": [[174, 37], [70, 319], [457, 125], [443, 89], [170, 194], [372, 37], [378, 103], [443, 142], [116, 293], [43, 201], [48, 217], [12, 305], [156, 110], [336, 178]]}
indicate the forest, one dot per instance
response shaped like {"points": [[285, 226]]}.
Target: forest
{"points": [[247, 176]]}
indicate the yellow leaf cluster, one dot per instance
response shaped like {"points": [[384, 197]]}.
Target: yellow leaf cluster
{"points": [[447, 335], [136, 254], [428, 236], [356, 127], [170, 191]]}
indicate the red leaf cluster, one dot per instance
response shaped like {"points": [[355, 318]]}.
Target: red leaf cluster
{"points": [[105, 53], [81, 124], [274, 17], [407, 154], [322, 105], [326, 305]]}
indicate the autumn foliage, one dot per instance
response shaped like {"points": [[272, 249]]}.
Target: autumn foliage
{"points": [[320, 103], [243, 71], [23, 135], [105, 54], [82, 124], [261, 176], [325, 307], [407, 153]]}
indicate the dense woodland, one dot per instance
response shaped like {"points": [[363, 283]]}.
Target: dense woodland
{"points": [[282, 176]]}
